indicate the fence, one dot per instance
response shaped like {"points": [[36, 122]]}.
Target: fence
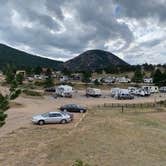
{"points": [[141, 106]]}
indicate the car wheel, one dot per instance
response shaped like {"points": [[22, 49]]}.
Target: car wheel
{"points": [[41, 122], [82, 111], [63, 121]]}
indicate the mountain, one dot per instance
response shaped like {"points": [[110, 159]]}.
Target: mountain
{"points": [[19, 58], [93, 60]]}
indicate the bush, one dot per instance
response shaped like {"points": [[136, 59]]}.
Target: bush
{"points": [[32, 93], [15, 94], [39, 83], [79, 163]]}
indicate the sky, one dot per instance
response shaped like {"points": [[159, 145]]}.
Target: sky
{"points": [[134, 30]]}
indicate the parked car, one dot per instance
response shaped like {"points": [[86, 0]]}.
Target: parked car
{"points": [[125, 96], [73, 108], [52, 117], [52, 89]]}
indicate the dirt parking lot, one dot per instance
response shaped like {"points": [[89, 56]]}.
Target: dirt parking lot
{"points": [[23, 108], [104, 137]]}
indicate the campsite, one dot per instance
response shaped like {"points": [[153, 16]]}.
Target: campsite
{"points": [[82, 83]]}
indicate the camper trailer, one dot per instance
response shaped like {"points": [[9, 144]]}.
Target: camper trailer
{"points": [[64, 91], [93, 92], [151, 89]]}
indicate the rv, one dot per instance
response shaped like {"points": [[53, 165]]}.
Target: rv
{"points": [[93, 92], [64, 91], [162, 89], [151, 89], [114, 92], [132, 90]]}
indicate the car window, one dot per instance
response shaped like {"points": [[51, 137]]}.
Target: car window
{"points": [[45, 114], [55, 115], [68, 106]]}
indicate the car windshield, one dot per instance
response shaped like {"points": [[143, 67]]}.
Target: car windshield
{"points": [[45, 114]]}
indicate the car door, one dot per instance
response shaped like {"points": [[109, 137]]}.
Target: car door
{"points": [[74, 108], [55, 118]]}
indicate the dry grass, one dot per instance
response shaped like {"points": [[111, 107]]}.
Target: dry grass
{"points": [[104, 137]]}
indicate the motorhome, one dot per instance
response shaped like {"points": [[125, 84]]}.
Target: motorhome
{"points": [[64, 91], [93, 92], [151, 89]]}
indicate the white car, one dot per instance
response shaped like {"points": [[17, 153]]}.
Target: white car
{"points": [[52, 117]]}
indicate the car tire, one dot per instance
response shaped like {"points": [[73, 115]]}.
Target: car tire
{"points": [[63, 121], [82, 111], [41, 122]]}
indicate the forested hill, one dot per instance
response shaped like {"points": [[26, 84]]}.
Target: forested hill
{"points": [[93, 60], [19, 58]]}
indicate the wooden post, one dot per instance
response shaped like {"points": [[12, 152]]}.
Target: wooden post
{"points": [[122, 109]]}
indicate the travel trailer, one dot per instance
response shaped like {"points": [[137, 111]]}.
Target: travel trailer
{"points": [[93, 92], [148, 80], [64, 91], [151, 89]]}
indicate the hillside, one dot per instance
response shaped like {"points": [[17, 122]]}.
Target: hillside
{"points": [[94, 59], [19, 58]]}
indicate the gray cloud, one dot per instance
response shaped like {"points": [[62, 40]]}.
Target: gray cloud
{"points": [[61, 29]]}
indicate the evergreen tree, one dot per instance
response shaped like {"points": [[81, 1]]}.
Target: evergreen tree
{"points": [[86, 76], [138, 76], [19, 78], [158, 77], [4, 105]]}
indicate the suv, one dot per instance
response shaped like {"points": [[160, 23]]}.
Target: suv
{"points": [[125, 96], [73, 108]]}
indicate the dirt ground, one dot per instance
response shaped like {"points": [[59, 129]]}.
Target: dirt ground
{"points": [[104, 137], [20, 114]]}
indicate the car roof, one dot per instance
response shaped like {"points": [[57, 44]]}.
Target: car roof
{"points": [[54, 112]]}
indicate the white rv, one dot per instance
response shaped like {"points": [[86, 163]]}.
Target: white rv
{"points": [[114, 91], [132, 90], [93, 92], [151, 89], [64, 91], [163, 89]]}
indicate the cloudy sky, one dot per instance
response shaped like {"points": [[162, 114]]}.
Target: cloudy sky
{"points": [[134, 30]]}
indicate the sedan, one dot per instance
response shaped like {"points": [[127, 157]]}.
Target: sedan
{"points": [[73, 108], [52, 117]]}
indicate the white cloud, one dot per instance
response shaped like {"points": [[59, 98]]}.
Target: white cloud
{"points": [[134, 30]]}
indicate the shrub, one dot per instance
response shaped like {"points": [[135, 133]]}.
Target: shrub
{"points": [[32, 93]]}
